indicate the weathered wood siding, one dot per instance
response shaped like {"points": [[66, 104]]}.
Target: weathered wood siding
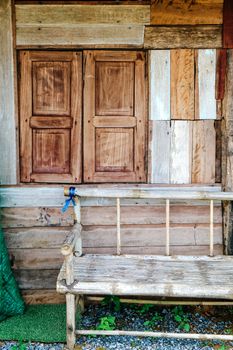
{"points": [[81, 25], [185, 143], [8, 146], [34, 234], [121, 25], [186, 12]]}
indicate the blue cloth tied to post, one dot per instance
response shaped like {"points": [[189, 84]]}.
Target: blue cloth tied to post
{"points": [[70, 199]]}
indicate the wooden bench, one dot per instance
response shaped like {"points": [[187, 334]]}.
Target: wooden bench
{"points": [[202, 277]]}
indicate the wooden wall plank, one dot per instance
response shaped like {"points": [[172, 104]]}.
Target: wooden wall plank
{"points": [[228, 24], [182, 84], [159, 92], [82, 35], [218, 158], [206, 76], [181, 150], [54, 224], [204, 152], [221, 73], [36, 258], [40, 15], [200, 36], [186, 12], [105, 236], [160, 152], [34, 237], [36, 217], [227, 159], [42, 296], [8, 154]]}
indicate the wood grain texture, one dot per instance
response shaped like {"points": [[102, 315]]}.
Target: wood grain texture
{"points": [[182, 84], [228, 24], [178, 276], [82, 35], [198, 36], [206, 77], [221, 73], [160, 152], [42, 296], [40, 15], [159, 79], [227, 158], [115, 89], [50, 152], [36, 217], [218, 159], [181, 152], [204, 152], [8, 154], [186, 12], [53, 196]]}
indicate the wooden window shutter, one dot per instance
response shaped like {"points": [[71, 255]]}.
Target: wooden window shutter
{"points": [[50, 116], [114, 116]]}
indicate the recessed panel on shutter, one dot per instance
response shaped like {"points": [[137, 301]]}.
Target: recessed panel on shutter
{"points": [[50, 116], [114, 116]]}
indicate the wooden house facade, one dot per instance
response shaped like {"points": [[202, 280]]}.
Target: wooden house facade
{"points": [[121, 94]]}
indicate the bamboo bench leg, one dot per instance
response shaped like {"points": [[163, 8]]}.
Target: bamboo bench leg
{"points": [[80, 306], [70, 320]]}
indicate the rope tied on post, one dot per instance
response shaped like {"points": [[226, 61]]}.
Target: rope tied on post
{"points": [[69, 200]]}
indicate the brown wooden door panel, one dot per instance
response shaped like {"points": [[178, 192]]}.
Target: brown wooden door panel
{"points": [[114, 116], [50, 116]]}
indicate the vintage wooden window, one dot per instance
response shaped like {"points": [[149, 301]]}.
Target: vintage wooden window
{"points": [[50, 116], [114, 116]]}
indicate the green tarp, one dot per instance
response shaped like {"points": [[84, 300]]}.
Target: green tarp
{"points": [[11, 302]]}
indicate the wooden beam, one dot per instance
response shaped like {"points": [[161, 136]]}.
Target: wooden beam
{"points": [[40, 15], [43, 196], [200, 36], [8, 154], [228, 24], [227, 161], [179, 12]]}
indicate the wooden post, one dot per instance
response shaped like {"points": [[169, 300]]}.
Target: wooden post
{"points": [[118, 226], [167, 227], [227, 154], [8, 154], [211, 228], [70, 305]]}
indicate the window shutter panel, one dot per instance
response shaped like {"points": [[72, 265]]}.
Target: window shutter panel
{"points": [[114, 116], [50, 116]]}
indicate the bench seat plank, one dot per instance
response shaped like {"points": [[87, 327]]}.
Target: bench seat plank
{"points": [[176, 276]]}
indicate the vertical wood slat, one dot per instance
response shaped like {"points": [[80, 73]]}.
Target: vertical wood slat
{"points": [[159, 94], [160, 152], [182, 84], [205, 88], [181, 152], [204, 151], [8, 145], [167, 227], [228, 24], [221, 66], [118, 226], [211, 228]]}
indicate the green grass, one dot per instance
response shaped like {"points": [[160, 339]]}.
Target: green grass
{"points": [[42, 323]]}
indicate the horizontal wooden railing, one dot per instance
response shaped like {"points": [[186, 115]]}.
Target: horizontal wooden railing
{"points": [[148, 193]]}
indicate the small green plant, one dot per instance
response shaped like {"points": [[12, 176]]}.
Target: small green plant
{"points": [[153, 321], [20, 346], [107, 323], [113, 301], [145, 308], [180, 317]]}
